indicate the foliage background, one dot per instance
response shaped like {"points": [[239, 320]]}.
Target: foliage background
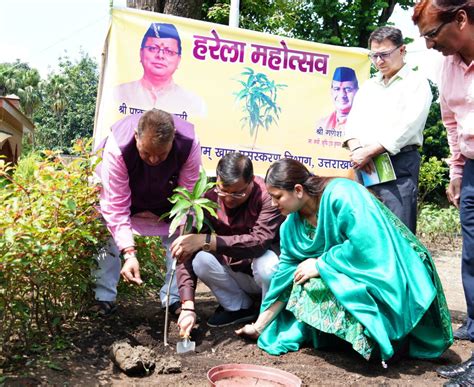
{"points": [[49, 232]]}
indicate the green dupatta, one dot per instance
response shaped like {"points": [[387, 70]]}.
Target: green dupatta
{"points": [[374, 266]]}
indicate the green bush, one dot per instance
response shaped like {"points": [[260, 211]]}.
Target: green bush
{"points": [[49, 231], [434, 177], [435, 223]]}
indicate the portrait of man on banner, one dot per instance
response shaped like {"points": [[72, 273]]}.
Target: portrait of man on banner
{"points": [[344, 87], [160, 56]]}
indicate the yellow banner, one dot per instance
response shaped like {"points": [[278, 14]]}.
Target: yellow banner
{"points": [[266, 96]]}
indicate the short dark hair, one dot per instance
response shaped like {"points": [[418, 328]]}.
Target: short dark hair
{"points": [[444, 10], [234, 166], [160, 123], [391, 33]]}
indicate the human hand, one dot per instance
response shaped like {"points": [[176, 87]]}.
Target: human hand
{"points": [[185, 246], [131, 271], [454, 191], [186, 322], [306, 270], [249, 331], [360, 159]]}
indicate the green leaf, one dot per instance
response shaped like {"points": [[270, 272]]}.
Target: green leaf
{"points": [[71, 204], [200, 186], [199, 216], [211, 210], [175, 198], [181, 206], [176, 222], [165, 215], [208, 224], [189, 224], [184, 192], [54, 366]]}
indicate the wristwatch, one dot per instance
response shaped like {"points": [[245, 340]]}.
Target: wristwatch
{"points": [[207, 245]]}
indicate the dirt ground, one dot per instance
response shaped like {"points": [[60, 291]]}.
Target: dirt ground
{"points": [[88, 362]]}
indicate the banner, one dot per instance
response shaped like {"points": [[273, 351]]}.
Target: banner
{"points": [[266, 96]]}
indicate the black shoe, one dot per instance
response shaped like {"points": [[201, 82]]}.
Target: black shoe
{"points": [[104, 308], [464, 380], [225, 317], [219, 309], [461, 333], [453, 371]]}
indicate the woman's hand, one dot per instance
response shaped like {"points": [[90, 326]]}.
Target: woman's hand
{"points": [[306, 270], [248, 331]]}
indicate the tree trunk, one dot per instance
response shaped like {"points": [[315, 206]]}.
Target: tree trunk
{"points": [[146, 5], [185, 8]]}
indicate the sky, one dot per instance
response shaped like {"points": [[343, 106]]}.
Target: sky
{"points": [[40, 31]]}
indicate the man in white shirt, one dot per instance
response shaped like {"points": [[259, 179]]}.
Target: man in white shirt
{"points": [[160, 56], [388, 115]]}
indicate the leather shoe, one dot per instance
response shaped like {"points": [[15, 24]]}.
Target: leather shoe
{"points": [[453, 371], [464, 380], [461, 333]]}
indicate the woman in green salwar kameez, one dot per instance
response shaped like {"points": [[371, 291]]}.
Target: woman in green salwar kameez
{"points": [[349, 268]]}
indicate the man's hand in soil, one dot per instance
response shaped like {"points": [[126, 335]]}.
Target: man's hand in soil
{"points": [[185, 246], [248, 331], [131, 271], [186, 319]]}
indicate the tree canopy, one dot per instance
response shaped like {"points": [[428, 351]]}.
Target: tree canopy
{"points": [[344, 23], [69, 99]]}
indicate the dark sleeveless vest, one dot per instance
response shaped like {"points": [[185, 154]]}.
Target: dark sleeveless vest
{"points": [[152, 186]]}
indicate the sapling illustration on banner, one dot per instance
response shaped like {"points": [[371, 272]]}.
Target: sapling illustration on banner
{"points": [[259, 95]]}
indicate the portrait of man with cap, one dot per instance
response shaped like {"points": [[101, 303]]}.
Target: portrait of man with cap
{"points": [[160, 56], [344, 87]]}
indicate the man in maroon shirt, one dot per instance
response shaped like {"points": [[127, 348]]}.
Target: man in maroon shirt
{"points": [[239, 258]]}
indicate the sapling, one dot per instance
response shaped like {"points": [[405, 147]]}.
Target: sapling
{"points": [[187, 211]]}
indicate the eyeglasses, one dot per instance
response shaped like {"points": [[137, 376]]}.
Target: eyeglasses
{"points": [[434, 33], [382, 55], [156, 50], [234, 195]]}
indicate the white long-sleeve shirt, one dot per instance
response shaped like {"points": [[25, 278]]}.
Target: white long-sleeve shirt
{"points": [[393, 114]]}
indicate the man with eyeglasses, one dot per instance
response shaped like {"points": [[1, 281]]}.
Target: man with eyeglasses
{"points": [[448, 27], [344, 87], [160, 56], [237, 260], [388, 115]]}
